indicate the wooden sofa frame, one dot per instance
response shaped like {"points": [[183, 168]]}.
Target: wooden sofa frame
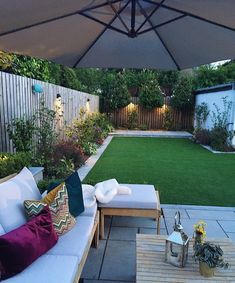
{"points": [[113, 211]]}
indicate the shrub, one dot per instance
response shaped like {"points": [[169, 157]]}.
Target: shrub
{"points": [[219, 138], [167, 119], [67, 150], [132, 119], [202, 136], [182, 93], [13, 162], [89, 130], [151, 95], [21, 133], [201, 114]]}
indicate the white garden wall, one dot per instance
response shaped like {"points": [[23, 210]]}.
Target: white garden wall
{"points": [[214, 95]]}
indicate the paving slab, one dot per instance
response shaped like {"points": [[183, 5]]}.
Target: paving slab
{"points": [[93, 263], [170, 213], [139, 133], [231, 236], [152, 231], [119, 262], [211, 214], [213, 228], [107, 226], [123, 233], [134, 222], [228, 226], [197, 207]]}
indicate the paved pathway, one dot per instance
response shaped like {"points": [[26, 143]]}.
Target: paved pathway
{"points": [[156, 134]]}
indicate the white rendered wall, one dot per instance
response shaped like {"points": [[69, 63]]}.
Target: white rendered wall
{"points": [[216, 97]]}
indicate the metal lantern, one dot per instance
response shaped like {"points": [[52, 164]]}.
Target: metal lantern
{"points": [[177, 245]]}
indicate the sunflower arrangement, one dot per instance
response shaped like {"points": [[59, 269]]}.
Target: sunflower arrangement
{"points": [[200, 232]]}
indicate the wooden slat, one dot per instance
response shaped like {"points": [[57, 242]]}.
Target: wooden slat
{"points": [[151, 265]]}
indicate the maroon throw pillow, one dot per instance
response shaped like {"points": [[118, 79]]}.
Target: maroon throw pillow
{"points": [[20, 247]]}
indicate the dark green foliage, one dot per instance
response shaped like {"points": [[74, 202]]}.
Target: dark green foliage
{"points": [[13, 162], [167, 119], [151, 95], [69, 79], [21, 133], [132, 119], [89, 79], [168, 78], [202, 136], [201, 114], [182, 93], [219, 138], [210, 254], [114, 91]]}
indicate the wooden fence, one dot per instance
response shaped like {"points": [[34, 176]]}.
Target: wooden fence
{"points": [[153, 119], [17, 99]]}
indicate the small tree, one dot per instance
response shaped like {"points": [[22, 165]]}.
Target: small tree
{"points": [[5, 60], [201, 114], [151, 95], [114, 91], [182, 93]]}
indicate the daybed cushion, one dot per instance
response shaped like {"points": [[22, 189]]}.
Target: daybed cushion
{"points": [[74, 242], [12, 194], [22, 246], [48, 268], [141, 197]]}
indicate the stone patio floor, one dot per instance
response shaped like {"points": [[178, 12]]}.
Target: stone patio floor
{"points": [[114, 260]]}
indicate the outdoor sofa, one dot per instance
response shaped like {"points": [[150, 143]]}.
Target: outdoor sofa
{"points": [[64, 262]]}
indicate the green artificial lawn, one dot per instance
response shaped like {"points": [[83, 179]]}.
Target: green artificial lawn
{"points": [[183, 172]]}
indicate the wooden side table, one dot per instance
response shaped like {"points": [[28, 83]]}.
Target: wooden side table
{"points": [[151, 265]]}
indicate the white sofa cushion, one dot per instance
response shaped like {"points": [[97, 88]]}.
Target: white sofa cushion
{"points": [[2, 232], [74, 242], [12, 194], [88, 193], [141, 197], [48, 268], [90, 211]]}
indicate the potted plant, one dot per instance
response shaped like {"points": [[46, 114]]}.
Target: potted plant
{"points": [[199, 232], [209, 256]]}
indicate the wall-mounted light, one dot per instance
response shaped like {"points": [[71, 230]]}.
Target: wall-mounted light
{"points": [[37, 88], [88, 100], [88, 105], [58, 95]]}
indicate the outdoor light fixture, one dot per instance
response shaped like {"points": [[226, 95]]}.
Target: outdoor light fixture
{"points": [[88, 100], [37, 88], [58, 96], [177, 244]]}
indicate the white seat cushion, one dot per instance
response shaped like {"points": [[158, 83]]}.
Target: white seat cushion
{"points": [[74, 242], [48, 268], [90, 211], [141, 197], [12, 194]]}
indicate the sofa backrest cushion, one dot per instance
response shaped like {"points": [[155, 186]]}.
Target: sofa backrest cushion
{"points": [[20, 247], [12, 195], [2, 232]]}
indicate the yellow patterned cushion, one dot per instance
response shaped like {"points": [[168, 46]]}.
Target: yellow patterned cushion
{"points": [[63, 221], [48, 199]]}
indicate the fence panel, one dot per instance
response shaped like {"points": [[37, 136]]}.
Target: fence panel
{"points": [[17, 99]]}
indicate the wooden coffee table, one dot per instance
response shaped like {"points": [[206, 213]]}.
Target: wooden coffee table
{"points": [[151, 265]]}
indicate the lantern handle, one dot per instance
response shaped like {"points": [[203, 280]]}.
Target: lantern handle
{"points": [[178, 225]]}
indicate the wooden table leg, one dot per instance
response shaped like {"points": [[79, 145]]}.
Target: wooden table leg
{"points": [[101, 224]]}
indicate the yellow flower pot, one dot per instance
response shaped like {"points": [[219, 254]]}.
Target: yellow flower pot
{"points": [[205, 270]]}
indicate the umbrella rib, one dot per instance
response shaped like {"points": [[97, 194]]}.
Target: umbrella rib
{"points": [[158, 35], [191, 15], [99, 36], [150, 15], [56, 18]]}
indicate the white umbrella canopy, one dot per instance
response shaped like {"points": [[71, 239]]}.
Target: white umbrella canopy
{"points": [[156, 34]]}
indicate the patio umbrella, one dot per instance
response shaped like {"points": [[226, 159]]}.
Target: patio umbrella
{"points": [[158, 34]]}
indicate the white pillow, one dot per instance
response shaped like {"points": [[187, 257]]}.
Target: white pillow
{"points": [[2, 232], [88, 193], [105, 191], [12, 194]]}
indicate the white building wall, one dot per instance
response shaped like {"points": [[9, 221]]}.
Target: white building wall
{"points": [[216, 97]]}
